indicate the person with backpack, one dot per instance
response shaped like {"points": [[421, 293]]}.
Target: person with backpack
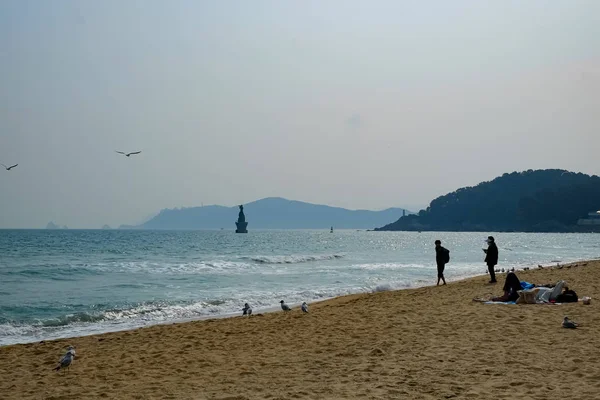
{"points": [[491, 257], [442, 257]]}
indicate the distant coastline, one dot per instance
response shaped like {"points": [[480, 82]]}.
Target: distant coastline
{"points": [[269, 213]]}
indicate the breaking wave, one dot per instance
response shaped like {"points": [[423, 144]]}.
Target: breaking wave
{"points": [[292, 259]]}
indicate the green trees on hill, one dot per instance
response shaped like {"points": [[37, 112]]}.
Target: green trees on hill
{"points": [[541, 200]]}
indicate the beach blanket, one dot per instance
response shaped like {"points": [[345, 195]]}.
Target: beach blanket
{"points": [[512, 302]]}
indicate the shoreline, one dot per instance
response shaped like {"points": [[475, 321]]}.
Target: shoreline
{"points": [[423, 343], [272, 309]]}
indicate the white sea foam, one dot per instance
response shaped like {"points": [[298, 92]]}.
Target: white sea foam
{"points": [[292, 259], [156, 313], [209, 267]]}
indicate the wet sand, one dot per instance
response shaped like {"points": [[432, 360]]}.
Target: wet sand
{"points": [[427, 343]]}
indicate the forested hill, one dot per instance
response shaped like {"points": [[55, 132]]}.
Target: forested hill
{"points": [[543, 201]]}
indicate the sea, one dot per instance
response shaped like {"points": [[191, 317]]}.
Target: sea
{"points": [[66, 283]]}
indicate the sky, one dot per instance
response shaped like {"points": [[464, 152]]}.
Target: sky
{"points": [[358, 104]]}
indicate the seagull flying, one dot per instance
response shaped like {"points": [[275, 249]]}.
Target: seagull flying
{"points": [[9, 168], [304, 307], [65, 362], [247, 310], [569, 324], [284, 306], [129, 154]]}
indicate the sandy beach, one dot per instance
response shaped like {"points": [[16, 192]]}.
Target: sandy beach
{"points": [[426, 343]]}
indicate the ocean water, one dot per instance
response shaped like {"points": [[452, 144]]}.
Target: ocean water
{"points": [[70, 283]]}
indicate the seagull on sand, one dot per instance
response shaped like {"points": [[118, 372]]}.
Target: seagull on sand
{"points": [[284, 306], [247, 310], [65, 362], [9, 168], [569, 324], [71, 349], [304, 307], [129, 154]]}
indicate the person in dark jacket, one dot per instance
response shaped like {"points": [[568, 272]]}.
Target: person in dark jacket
{"points": [[511, 288], [491, 257], [441, 257]]}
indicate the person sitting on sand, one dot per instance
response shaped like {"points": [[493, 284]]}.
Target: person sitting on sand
{"points": [[512, 286]]}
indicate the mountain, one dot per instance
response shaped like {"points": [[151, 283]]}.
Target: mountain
{"points": [[52, 225], [550, 200], [269, 213]]}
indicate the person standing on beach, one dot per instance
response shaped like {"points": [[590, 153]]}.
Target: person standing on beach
{"points": [[491, 257], [442, 256]]}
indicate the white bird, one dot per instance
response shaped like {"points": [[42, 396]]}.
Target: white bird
{"points": [[128, 154], [71, 349], [284, 306], [304, 307], [569, 324], [247, 310], [65, 362], [9, 168]]}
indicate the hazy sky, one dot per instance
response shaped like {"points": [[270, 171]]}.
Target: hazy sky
{"points": [[360, 104]]}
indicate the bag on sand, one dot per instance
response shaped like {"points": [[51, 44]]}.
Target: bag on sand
{"points": [[527, 296]]}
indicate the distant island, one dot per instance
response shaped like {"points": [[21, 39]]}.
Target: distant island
{"points": [[270, 213], [52, 225], [106, 227], [549, 200]]}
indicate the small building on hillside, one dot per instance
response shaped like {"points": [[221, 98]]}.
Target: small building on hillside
{"points": [[593, 218]]}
